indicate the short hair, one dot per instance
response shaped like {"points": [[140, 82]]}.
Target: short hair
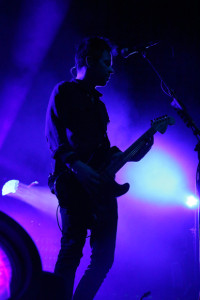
{"points": [[91, 46]]}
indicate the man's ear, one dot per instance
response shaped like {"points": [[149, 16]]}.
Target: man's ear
{"points": [[90, 61]]}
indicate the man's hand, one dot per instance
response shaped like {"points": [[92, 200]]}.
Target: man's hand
{"points": [[88, 177]]}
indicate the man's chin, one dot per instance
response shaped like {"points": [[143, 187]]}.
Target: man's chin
{"points": [[102, 83]]}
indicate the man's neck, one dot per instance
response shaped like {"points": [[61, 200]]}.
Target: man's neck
{"points": [[86, 78], [87, 83]]}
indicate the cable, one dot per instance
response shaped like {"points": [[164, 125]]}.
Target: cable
{"points": [[57, 218], [163, 89], [59, 223], [145, 295]]}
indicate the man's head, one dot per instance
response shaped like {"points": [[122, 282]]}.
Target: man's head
{"points": [[93, 60]]}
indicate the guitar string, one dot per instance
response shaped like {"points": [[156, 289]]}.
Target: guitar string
{"points": [[118, 165]]}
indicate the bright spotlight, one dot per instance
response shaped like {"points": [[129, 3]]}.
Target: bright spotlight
{"points": [[192, 201], [10, 186]]}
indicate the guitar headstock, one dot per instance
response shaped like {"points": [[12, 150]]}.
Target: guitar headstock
{"points": [[160, 124]]}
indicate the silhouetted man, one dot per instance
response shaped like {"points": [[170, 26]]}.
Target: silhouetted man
{"points": [[76, 131]]}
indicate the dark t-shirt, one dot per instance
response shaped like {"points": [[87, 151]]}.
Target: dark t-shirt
{"points": [[76, 122], [76, 126]]}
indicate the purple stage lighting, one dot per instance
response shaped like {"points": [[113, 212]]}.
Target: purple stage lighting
{"points": [[31, 194], [33, 36], [162, 177], [5, 275]]}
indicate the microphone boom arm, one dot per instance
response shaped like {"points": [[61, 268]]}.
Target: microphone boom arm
{"points": [[187, 119], [178, 106]]}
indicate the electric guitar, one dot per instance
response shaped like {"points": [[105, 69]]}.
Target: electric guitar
{"points": [[109, 188], [109, 169]]}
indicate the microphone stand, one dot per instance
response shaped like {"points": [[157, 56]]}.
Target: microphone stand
{"points": [[182, 112]]}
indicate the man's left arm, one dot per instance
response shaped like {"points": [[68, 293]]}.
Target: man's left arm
{"points": [[116, 152]]}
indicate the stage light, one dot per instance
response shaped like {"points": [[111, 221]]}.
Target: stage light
{"points": [[192, 201], [10, 186], [20, 263]]}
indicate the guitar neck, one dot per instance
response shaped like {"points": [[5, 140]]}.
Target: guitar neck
{"points": [[129, 153], [138, 144]]}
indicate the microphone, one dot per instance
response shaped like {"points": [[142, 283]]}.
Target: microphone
{"points": [[126, 52]]}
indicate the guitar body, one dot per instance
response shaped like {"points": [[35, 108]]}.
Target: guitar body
{"points": [[104, 164], [117, 189]]}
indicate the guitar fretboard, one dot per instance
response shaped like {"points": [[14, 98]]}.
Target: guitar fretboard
{"points": [[130, 152]]}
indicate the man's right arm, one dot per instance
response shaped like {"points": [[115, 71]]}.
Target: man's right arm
{"points": [[58, 119]]}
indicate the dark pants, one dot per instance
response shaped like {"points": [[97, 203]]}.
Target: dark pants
{"points": [[102, 241]]}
